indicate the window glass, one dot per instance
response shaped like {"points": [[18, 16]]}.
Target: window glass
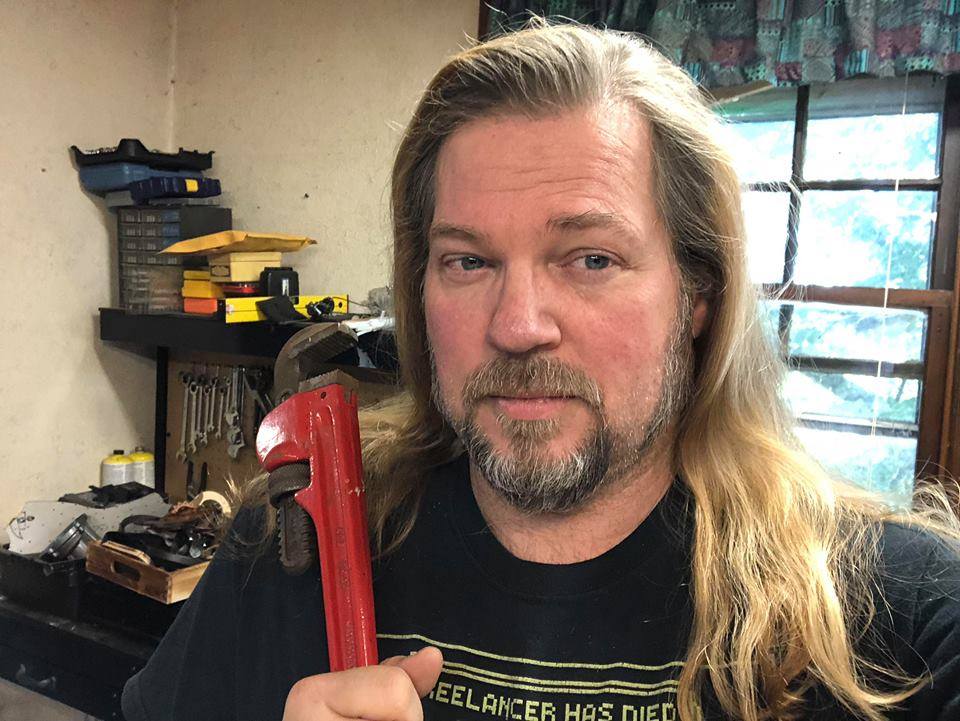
{"points": [[765, 216], [852, 396], [762, 151], [846, 148], [865, 238], [874, 129], [881, 463], [822, 330]]}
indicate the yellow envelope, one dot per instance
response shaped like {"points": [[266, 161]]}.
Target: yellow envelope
{"points": [[240, 241]]}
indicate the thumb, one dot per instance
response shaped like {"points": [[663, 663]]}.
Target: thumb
{"points": [[423, 668]]}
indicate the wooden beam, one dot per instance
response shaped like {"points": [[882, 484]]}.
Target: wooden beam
{"points": [[871, 297]]}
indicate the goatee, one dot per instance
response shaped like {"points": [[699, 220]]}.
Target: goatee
{"points": [[532, 480]]}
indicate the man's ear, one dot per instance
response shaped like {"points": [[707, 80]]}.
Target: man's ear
{"points": [[700, 317]]}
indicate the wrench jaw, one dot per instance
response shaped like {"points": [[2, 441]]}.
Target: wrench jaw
{"points": [[297, 537], [320, 427]]}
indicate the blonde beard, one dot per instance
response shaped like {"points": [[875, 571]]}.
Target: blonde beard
{"points": [[531, 480]]}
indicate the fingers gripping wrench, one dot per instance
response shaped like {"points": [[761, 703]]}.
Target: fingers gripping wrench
{"points": [[319, 426]]}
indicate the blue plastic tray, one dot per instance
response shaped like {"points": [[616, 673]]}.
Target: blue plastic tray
{"points": [[101, 179]]}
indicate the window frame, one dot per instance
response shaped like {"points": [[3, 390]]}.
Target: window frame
{"points": [[938, 417]]}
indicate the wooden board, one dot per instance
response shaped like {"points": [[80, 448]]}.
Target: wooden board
{"points": [[125, 567]]}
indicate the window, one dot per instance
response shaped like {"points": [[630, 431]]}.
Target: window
{"points": [[850, 204]]}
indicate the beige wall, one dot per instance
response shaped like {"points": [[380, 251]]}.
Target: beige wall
{"points": [[298, 99], [304, 101], [82, 72]]}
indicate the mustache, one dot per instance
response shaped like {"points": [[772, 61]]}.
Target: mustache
{"points": [[530, 375]]}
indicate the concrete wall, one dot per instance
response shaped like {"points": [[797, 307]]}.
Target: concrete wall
{"points": [[83, 72], [304, 102]]}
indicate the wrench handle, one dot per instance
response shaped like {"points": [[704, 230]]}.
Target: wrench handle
{"points": [[320, 426]]}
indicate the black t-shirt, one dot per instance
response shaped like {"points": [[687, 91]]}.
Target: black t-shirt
{"points": [[599, 640]]}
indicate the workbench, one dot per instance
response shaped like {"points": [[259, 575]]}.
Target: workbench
{"points": [[80, 664]]}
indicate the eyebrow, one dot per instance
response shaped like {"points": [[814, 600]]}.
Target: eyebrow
{"points": [[460, 232], [592, 219], [589, 220]]}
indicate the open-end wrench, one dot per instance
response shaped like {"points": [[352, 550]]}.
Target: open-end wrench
{"points": [[201, 412], [222, 390], [241, 374], [232, 415], [185, 378], [207, 398], [212, 405], [192, 434]]}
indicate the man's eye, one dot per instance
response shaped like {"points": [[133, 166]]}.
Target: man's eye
{"points": [[470, 262], [596, 262]]}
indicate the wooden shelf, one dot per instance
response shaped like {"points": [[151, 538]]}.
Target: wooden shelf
{"points": [[186, 332]]}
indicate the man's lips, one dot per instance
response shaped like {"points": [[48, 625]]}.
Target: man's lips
{"points": [[530, 408]]}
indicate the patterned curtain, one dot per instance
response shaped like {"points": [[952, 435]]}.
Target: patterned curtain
{"points": [[783, 42]]}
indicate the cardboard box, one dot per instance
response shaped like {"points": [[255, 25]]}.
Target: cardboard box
{"points": [[242, 267], [201, 289], [200, 306]]}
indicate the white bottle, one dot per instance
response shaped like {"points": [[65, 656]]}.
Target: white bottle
{"points": [[115, 469], [143, 467]]}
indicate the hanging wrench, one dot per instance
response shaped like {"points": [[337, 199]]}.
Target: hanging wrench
{"points": [[199, 429], [212, 405], [206, 391], [192, 435], [185, 378], [232, 415], [236, 442], [222, 390]]}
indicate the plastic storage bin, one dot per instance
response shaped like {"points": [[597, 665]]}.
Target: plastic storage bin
{"points": [[117, 176], [175, 222], [152, 188], [52, 587]]}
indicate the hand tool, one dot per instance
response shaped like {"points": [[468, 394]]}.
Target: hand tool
{"points": [[204, 384], [235, 442], [182, 450], [222, 391], [211, 405], [232, 415], [310, 444], [192, 434]]}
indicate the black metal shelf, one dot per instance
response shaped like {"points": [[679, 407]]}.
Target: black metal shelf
{"points": [[185, 332]]}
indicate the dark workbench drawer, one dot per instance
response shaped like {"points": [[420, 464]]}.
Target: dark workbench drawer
{"points": [[83, 692], [80, 664]]}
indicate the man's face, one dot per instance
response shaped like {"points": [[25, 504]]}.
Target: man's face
{"points": [[560, 338]]}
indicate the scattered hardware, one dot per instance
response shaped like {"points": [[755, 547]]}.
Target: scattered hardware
{"points": [[71, 542]]}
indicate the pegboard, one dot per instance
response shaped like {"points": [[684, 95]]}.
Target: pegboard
{"points": [[220, 466], [374, 385]]}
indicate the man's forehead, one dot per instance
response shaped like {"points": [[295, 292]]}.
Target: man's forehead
{"points": [[516, 145], [583, 169]]}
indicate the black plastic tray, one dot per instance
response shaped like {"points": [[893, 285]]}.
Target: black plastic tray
{"points": [[54, 587], [131, 150]]}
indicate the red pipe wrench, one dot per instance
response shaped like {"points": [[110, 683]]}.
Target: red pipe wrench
{"points": [[318, 425]]}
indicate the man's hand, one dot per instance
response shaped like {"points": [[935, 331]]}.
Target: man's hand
{"points": [[388, 692]]}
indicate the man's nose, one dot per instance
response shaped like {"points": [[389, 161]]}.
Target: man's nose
{"points": [[524, 319]]}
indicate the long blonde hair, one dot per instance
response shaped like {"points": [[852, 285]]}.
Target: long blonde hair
{"points": [[782, 553]]}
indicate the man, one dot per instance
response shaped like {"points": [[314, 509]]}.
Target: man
{"points": [[589, 500]]}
